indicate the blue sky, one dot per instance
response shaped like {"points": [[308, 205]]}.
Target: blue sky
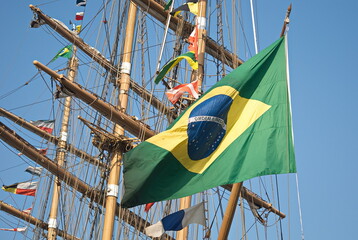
{"points": [[322, 48]]}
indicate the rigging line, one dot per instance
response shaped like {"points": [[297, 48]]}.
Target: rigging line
{"points": [[47, 3], [105, 44], [53, 106], [16, 222], [256, 227], [288, 207], [43, 202], [11, 92], [243, 32], [216, 211], [108, 76], [48, 87], [5, 145], [299, 207], [6, 221], [279, 205], [233, 23], [27, 105], [290, 108], [120, 54], [254, 26], [227, 23], [10, 195], [47, 29], [106, 29], [143, 39], [247, 231], [164, 37], [274, 202], [257, 24], [88, 216], [93, 18], [266, 192], [18, 88], [220, 202], [154, 22], [17, 127], [274, 223], [80, 108], [18, 165]]}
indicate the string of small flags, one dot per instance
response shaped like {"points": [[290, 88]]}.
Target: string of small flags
{"points": [[174, 94]]}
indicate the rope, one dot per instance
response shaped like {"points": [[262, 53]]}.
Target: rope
{"points": [[279, 206], [299, 207], [164, 37], [220, 206]]}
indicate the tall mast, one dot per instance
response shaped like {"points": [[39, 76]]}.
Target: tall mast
{"points": [[115, 167], [185, 202], [230, 211], [201, 22], [61, 151]]}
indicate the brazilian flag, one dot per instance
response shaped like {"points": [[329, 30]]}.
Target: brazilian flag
{"points": [[189, 56], [240, 129], [65, 52], [167, 6]]}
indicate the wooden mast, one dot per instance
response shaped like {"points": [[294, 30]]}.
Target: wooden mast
{"points": [[201, 22], [61, 151], [115, 165], [230, 211], [185, 202]]}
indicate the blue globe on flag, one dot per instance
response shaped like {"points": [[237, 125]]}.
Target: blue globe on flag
{"points": [[207, 126]]}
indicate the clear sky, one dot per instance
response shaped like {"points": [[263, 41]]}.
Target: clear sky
{"points": [[322, 49]]}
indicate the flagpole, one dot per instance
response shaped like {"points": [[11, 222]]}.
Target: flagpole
{"points": [[286, 21], [61, 151], [115, 165]]}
